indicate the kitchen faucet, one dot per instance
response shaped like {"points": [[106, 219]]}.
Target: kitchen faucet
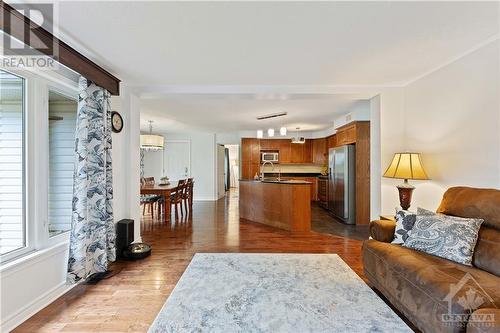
{"points": [[262, 169], [272, 165]]}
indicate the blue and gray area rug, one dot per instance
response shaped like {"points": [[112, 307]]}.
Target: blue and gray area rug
{"points": [[236, 292]]}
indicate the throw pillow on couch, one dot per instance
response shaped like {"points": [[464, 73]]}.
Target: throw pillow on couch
{"points": [[404, 223], [449, 237], [405, 220]]}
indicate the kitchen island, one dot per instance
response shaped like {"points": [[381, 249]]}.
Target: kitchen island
{"points": [[281, 204]]}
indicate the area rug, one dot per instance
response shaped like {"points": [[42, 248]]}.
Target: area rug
{"points": [[236, 292]]}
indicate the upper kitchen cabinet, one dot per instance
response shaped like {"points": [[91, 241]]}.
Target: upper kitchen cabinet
{"points": [[308, 152], [331, 141], [301, 152], [269, 144], [347, 134], [319, 151], [250, 157], [285, 151]]}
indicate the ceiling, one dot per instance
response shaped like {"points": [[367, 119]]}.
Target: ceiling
{"points": [[159, 48], [230, 113], [274, 43]]}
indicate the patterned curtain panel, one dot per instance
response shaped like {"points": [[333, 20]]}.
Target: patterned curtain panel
{"points": [[92, 239]]}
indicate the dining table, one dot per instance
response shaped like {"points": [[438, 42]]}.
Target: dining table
{"points": [[164, 191]]}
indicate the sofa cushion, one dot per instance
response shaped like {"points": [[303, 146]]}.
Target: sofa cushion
{"points": [[448, 237], [420, 285], [382, 230], [487, 252], [473, 203], [484, 204]]}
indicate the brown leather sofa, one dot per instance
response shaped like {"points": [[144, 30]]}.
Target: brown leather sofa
{"points": [[436, 294]]}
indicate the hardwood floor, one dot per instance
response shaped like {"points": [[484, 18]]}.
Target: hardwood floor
{"points": [[130, 300]]}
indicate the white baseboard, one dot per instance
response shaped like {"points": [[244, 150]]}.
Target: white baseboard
{"points": [[11, 322]]}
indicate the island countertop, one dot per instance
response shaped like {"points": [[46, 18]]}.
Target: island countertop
{"points": [[285, 204]]}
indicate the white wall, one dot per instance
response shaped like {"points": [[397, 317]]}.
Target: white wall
{"points": [[203, 150], [375, 158], [452, 117], [154, 163], [126, 161]]}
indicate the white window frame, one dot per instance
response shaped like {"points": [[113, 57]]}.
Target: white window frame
{"points": [[36, 149]]}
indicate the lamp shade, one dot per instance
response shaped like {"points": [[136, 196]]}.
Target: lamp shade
{"points": [[406, 166], [151, 142]]}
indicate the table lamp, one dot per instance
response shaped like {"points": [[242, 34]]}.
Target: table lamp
{"points": [[406, 166]]}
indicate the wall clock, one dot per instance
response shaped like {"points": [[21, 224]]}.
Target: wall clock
{"points": [[116, 122]]}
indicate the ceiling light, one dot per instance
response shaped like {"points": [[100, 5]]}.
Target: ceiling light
{"points": [[260, 134], [270, 132], [150, 141], [283, 131], [297, 138], [272, 115]]}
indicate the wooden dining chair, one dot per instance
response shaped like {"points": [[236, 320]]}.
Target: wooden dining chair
{"points": [[188, 195], [177, 197], [148, 199]]}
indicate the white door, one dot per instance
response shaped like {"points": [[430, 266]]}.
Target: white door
{"points": [[177, 160], [221, 188]]}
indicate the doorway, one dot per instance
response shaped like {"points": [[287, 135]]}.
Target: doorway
{"points": [[177, 159]]}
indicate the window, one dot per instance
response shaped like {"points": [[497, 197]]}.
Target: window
{"points": [[37, 134], [62, 124], [12, 166]]}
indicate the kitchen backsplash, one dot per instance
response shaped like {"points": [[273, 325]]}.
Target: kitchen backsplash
{"points": [[294, 168]]}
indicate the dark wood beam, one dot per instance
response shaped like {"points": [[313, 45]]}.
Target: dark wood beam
{"points": [[17, 25]]}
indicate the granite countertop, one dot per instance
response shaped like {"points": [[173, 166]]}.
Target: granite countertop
{"points": [[275, 181]]}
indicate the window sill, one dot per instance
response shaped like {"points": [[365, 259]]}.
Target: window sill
{"points": [[30, 258], [59, 238]]}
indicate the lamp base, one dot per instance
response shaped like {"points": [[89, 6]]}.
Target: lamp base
{"points": [[405, 192]]}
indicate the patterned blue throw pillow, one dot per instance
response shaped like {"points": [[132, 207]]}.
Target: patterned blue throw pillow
{"points": [[404, 223], [449, 237]]}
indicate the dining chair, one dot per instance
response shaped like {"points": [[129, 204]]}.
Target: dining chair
{"points": [[148, 199], [177, 197], [188, 195]]}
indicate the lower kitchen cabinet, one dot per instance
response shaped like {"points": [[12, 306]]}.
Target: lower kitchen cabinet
{"points": [[323, 192]]}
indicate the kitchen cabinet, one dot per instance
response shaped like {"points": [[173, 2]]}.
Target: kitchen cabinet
{"points": [[250, 157], [323, 192], [319, 151], [270, 144], [248, 170], [307, 156], [296, 153], [301, 152], [331, 142], [285, 151], [316, 151], [312, 180], [346, 134]]}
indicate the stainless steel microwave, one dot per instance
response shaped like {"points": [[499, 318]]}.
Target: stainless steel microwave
{"points": [[269, 157]]}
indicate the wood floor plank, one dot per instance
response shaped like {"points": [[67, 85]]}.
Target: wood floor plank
{"points": [[130, 300]]}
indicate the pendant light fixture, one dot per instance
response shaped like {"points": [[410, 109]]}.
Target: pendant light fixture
{"points": [[151, 142], [297, 138], [270, 132], [283, 131], [260, 134]]}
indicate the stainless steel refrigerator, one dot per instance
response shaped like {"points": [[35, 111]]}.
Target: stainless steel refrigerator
{"points": [[341, 183]]}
